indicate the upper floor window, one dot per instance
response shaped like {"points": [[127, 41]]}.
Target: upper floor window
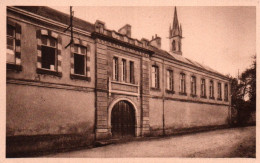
{"points": [[219, 91], [123, 70], [80, 59], [203, 88], [13, 45], [169, 80], [49, 53], [211, 89], [132, 77], [115, 68], [182, 83], [10, 56], [155, 76], [226, 92], [193, 85]]}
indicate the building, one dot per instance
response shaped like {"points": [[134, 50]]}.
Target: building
{"points": [[104, 85]]}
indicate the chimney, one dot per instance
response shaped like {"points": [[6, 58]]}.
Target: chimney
{"points": [[99, 26], [125, 30], [156, 41]]}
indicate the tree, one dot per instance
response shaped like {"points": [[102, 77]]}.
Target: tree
{"points": [[243, 95]]}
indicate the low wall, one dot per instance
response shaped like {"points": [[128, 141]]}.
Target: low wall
{"points": [[180, 115], [45, 118]]}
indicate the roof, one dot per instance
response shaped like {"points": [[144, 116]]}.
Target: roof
{"points": [[58, 16], [182, 59], [61, 17]]}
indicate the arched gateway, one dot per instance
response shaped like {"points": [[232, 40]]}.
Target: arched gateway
{"points": [[123, 120]]}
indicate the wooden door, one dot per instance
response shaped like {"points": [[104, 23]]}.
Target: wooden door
{"points": [[123, 120]]}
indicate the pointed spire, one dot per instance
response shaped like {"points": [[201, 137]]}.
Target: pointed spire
{"points": [[175, 25], [175, 19]]}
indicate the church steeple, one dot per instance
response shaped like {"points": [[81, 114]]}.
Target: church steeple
{"points": [[175, 35]]}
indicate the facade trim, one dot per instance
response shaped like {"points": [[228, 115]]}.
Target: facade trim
{"points": [[185, 100], [48, 85]]}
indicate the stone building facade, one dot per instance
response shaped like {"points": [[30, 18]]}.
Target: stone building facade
{"points": [[105, 85]]}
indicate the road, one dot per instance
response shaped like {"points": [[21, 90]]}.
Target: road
{"points": [[225, 143]]}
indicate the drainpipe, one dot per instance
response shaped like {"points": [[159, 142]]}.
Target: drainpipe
{"points": [[163, 90]]}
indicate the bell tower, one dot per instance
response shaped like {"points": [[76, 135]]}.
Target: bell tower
{"points": [[175, 35]]}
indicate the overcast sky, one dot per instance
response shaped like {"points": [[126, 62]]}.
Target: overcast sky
{"points": [[220, 37]]}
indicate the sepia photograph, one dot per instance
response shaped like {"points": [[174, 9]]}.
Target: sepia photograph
{"points": [[167, 81]]}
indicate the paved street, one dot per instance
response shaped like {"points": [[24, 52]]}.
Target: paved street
{"points": [[235, 142]]}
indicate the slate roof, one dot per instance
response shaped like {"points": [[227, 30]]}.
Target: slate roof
{"points": [[58, 16], [61, 17]]}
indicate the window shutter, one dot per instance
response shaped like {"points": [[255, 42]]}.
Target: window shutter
{"points": [[72, 59], [88, 63], [39, 49], [18, 44], [59, 51]]}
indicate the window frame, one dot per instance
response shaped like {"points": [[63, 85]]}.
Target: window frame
{"points": [[211, 89], [219, 91], [55, 52], [124, 70], [16, 65], [193, 86], [169, 81], [203, 88], [131, 72], [115, 69], [79, 52], [226, 92], [156, 77], [182, 84]]}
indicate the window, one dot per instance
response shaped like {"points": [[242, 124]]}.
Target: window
{"points": [[219, 91], [49, 53], [182, 84], [115, 68], [211, 89], [155, 76], [80, 60], [179, 46], [226, 92], [13, 46], [169, 81], [10, 56], [193, 85], [203, 88], [173, 45], [132, 79], [123, 70]]}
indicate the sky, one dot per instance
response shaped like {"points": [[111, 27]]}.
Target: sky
{"points": [[223, 38]]}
